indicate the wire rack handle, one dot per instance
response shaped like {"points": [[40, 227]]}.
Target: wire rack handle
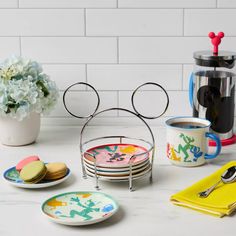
{"points": [[132, 101], [150, 117], [73, 114], [115, 109]]}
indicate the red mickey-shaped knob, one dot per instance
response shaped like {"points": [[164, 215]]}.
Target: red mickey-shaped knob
{"points": [[211, 35], [216, 40]]}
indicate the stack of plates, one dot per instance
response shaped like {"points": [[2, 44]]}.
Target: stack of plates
{"points": [[113, 161]]}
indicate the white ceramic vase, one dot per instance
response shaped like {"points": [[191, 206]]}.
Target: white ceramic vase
{"points": [[19, 133]]}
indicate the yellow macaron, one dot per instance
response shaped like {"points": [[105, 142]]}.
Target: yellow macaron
{"points": [[55, 170]]}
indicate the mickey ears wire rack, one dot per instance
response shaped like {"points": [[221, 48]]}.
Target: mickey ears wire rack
{"points": [[125, 159]]}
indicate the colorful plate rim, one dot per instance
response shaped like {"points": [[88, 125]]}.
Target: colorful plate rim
{"points": [[112, 170], [125, 178], [38, 185], [78, 223], [121, 165], [117, 174]]}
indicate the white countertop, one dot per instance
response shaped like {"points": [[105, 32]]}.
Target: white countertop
{"points": [[146, 211]]}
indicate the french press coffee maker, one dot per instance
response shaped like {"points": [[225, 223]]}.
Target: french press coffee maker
{"points": [[212, 89]]}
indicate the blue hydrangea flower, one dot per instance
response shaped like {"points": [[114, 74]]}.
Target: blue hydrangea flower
{"points": [[25, 89]]}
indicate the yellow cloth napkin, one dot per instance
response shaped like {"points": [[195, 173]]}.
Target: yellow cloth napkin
{"points": [[221, 202]]}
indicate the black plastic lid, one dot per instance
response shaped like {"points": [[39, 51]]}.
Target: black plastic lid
{"points": [[222, 59]]}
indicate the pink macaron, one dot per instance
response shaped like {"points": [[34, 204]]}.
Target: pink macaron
{"points": [[26, 161]]}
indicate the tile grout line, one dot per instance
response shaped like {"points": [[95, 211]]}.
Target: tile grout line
{"points": [[183, 22], [86, 75], [117, 3], [85, 22], [182, 79], [122, 8], [128, 90], [123, 63], [20, 46], [109, 36], [118, 102], [66, 117], [102, 117], [18, 4], [118, 50]]}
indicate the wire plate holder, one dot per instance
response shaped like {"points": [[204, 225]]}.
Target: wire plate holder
{"points": [[151, 144]]}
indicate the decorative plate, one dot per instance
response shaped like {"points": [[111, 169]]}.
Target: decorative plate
{"points": [[118, 173], [12, 177], [116, 155], [120, 178], [112, 170], [80, 208]]}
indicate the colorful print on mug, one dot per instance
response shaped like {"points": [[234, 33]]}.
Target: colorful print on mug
{"points": [[187, 141]]}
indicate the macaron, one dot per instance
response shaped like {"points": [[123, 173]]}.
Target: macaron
{"points": [[26, 161], [55, 170], [33, 172]]}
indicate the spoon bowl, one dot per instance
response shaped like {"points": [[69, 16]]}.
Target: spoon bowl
{"points": [[229, 176]]}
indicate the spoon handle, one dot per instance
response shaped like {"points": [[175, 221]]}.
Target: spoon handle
{"points": [[207, 192]]}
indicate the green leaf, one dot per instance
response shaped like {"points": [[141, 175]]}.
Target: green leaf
{"points": [[43, 87], [12, 107], [17, 77]]}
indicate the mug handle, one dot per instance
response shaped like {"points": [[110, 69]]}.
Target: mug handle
{"points": [[190, 92], [218, 146]]}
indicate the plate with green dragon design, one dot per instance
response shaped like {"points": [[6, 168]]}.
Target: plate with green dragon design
{"points": [[80, 208]]}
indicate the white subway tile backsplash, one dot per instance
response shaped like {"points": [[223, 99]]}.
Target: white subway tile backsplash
{"points": [[70, 49], [167, 3], [200, 22], [128, 77], [65, 75], [8, 3], [68, 3], [152, 103], [166, 49], [116, 45], [84, 102], [134, 22], [227, 3], [159, 50], [9, 46], [45, 22]]}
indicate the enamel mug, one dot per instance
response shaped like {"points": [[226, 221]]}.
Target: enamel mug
{"points": [[187, 141]]}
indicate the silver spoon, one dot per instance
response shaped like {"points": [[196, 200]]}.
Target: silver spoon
{"points": [[229, 176]]}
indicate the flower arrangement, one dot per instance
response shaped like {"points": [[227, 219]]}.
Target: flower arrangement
{"points": [[25, 89]]}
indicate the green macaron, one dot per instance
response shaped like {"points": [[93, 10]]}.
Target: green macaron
{"points": [[33, 172]]}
